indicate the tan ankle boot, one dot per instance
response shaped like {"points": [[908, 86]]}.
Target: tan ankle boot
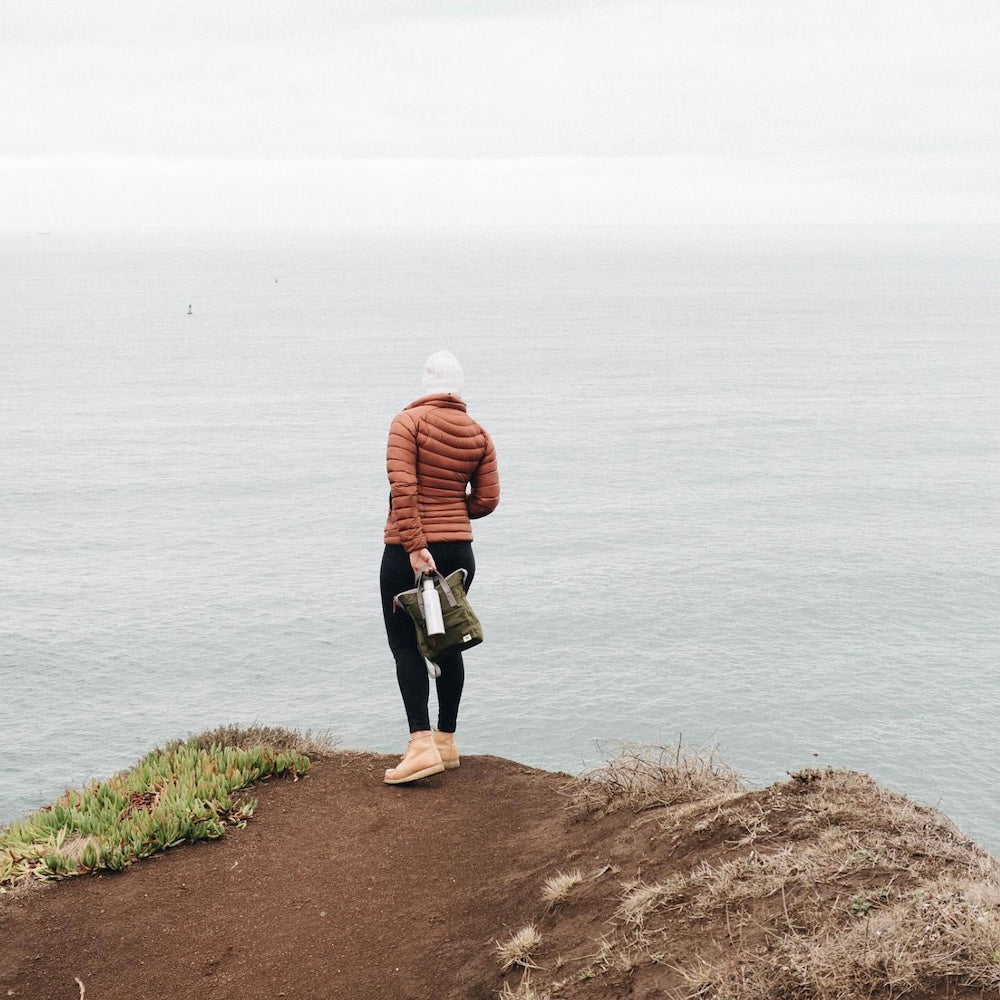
{"points": [[422, 758], [446, 747]]}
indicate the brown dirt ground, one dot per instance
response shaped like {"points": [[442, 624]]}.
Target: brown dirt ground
{"points": [[342, 887], [339, 886]]}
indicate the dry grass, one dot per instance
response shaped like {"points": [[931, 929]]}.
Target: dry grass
{"points": [[523, 991], [825, 887], [556, 889], [276, 737], [938, 933], [882, 896], [638, 777], [640, 899], [518, 948]]}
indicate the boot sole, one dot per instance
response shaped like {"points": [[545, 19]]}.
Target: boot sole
{"points": [[425, 773], [450, 765]]}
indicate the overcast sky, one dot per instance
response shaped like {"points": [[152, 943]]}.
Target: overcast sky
{"points": [[356, 112]]}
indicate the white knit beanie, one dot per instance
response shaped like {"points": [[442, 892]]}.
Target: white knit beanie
{"points": [[443, 373]]}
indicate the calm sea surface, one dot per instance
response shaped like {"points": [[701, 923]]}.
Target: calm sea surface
{"points": [[750, 476]]}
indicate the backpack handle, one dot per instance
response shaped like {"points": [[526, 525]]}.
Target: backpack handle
{"points": [[440, 582]]}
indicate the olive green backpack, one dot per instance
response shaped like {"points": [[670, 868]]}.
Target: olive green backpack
{"points": [[461, 626]]}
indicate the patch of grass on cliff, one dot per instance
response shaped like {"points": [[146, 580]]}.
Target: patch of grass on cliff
{"points": [[825, 886], [642, 777], [183, 792]]}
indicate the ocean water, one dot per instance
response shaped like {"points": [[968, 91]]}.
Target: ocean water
{"points": [[750, 483]]}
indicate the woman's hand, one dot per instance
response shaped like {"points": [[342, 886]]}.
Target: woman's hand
{"points": [[422, 560]]}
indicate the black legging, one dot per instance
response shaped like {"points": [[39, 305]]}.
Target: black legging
{"points": [[411, 671]]}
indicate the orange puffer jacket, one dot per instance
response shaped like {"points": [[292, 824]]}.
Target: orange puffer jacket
{"points": [[436, 452]]}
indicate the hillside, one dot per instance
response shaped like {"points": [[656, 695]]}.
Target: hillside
{"points": [[657, 877]]}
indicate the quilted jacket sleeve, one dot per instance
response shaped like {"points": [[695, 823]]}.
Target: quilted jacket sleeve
{"points": [[401, 465], [485, 482]]}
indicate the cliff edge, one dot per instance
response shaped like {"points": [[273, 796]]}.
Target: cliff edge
{"points": [[656, 877]]}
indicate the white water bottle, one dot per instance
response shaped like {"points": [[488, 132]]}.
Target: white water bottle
{"points": [[432, 609]]}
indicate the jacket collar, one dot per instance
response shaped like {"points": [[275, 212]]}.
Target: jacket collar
{"points": [[444, 399]]}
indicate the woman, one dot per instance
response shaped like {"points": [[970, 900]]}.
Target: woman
{"points": [[442, 472]]}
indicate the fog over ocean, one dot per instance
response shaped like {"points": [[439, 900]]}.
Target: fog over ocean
{"points": [[750, 481]]}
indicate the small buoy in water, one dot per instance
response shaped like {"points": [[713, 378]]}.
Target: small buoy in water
{"points": [[189, 311]]}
